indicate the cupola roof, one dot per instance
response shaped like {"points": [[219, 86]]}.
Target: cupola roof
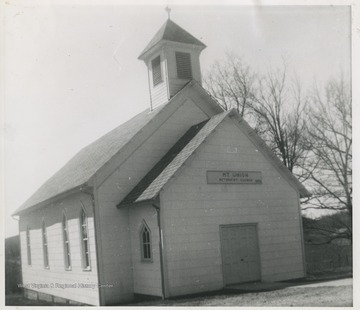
{"points": [[170, 31]]}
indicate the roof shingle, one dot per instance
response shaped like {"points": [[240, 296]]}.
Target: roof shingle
{"points": [[149, 187], [87, 161], [172, 32]]}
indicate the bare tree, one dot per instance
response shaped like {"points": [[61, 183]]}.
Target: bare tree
{"points": [[279, 110], [310, 134], [273, 104], [231, 83], [330, 142]]}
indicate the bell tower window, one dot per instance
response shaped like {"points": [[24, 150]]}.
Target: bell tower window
{"points": [[156, 71], [183, 65]]}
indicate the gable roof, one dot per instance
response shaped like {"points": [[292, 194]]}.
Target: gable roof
{"points": [[149, 187], [87, 161], [91, 158], [76, 172], [170, 31]]}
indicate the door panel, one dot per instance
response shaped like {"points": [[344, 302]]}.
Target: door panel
{"points": [[240, 254]]}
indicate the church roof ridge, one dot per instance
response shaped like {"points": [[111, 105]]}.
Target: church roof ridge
{"points": [[154, 181], [85, 163]]}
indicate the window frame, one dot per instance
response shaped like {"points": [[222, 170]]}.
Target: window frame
{"points": [[156, 81], [28, 246], [66, 243], [84, 240], [179, 54], [45, 245], [148, 243]]}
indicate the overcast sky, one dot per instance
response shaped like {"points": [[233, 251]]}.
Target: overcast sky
{"points": [[72, 73]]}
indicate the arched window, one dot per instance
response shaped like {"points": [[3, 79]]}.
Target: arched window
{"points": [[145, 243], [45, 246], [84, 240], [66, 241], [28, 246]]}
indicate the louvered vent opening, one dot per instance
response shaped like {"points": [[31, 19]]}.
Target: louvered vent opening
{"points": [[156, 71], [183, 64]]}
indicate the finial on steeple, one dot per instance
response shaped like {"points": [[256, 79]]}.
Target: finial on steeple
{"points": [[168, 10]]}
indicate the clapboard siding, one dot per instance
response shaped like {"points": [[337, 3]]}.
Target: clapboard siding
{"points": [[158, 93], [114, 233], [193, 211], [56, 276], [171, 83], [147, 275]]}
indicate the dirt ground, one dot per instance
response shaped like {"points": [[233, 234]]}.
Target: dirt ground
{"points": [[289, 297], [324, 296]]}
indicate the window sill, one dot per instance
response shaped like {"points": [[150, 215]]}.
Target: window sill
{"points": [[185, 79], [87, 269]]}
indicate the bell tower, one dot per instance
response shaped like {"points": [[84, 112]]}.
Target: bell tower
{"points": [[172, 60]]}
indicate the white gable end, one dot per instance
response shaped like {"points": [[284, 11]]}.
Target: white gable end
{"points": [[195, 210]]}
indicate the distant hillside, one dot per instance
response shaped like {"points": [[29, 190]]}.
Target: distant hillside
{"points": [[334, 229], [328, 243]]}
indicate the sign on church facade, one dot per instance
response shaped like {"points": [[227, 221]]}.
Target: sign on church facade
{"points": [[233, 177]]}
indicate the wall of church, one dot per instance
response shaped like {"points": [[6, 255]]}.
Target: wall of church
{"points": [[159, 95], [146, 274], [193, 210], [81, 285], [114, 224]]}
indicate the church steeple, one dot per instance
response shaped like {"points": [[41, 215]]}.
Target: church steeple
{"points": [[172, 59]]}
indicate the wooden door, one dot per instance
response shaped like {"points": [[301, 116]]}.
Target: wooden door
{"points": [[240, 253]]}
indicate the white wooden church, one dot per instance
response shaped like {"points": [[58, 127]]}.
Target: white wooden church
{"points": [[183, 198]]}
